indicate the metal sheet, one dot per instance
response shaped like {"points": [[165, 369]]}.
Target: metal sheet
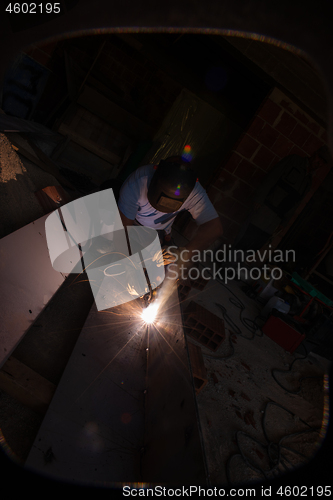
{"points": [[93, 429], [122, 413], [173, 450], [28, 282]]}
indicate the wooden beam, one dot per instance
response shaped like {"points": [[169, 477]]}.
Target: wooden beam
{"points": [[91, 146]]}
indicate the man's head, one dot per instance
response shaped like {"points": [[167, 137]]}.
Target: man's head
{"points": [[320, 158], [171, 184]]}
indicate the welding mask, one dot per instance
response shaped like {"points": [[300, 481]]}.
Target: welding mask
{"points": [[170, 186]]}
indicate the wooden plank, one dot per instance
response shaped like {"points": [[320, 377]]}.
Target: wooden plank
{"points": [[88, 144], [78, 159], [118, 117], [25, 385]]}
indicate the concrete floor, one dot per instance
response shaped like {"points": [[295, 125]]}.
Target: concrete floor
{"points": [[241, 391]]}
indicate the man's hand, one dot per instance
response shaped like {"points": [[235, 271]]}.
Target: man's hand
{"points": [[168, 255], [173, 255]]}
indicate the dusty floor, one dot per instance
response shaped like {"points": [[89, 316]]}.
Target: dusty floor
{"points": [[246, 417]]}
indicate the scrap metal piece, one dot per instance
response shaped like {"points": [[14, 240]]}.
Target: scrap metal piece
{"points": [[204, 326]]}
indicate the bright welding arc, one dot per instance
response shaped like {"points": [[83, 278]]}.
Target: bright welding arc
{"points": [[149, 314]]}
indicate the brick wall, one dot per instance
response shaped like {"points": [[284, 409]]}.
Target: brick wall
{"points": [[278, 129]]}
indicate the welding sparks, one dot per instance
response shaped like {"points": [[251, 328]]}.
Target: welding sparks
{"points": [[149, 314]]}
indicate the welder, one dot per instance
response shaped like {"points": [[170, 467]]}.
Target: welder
{"points": [[153, 196]]}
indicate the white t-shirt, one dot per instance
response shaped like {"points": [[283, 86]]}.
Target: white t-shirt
{"points": [[133, 202]]}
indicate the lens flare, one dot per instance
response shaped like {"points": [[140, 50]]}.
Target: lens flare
{"points": [[149, 314], [187, 153]]}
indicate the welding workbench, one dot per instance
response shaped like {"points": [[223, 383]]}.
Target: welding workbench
{"points": [[122, 413]]}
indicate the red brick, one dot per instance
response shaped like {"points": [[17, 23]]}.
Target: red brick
{"points": [[314, 127], [237, 212], [247, 146], [232, 162], [245, 170], [255, 127], [264, 158], [257, 177], [270, 111], [113, 67], [268, 136], [286, 105], [226, 181], [127, 61], [286, 124], [282, 147], [299, 135], [128, 76], [301, 117], [242, 192], [223, 206], [312, 144], [322, 172], [297, 151]]}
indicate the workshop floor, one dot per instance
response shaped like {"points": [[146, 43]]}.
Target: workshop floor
{"points": [[242, 408], [255, 396]]}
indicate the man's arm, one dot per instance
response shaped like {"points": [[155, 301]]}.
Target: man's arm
{"points": [[206, 235]]}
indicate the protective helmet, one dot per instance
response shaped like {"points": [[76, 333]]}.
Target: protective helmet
{"points": [[171, 185]]}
